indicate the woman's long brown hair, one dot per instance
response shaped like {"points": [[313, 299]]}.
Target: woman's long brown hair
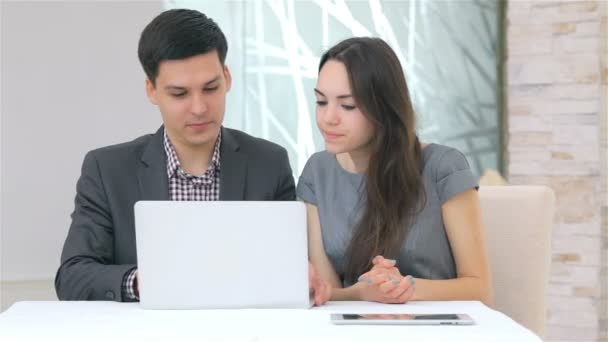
{"points": [[395, 190]]}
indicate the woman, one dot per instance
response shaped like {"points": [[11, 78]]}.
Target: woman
{"points": [[389, 219]]}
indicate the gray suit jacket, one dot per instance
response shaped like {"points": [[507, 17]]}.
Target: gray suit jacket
{"points": [[100, 247]]}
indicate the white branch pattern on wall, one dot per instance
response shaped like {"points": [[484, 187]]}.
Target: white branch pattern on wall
{"points": [[448, 52]]}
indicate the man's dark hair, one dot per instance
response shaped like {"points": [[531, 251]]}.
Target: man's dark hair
{"points": [[179, 34]]}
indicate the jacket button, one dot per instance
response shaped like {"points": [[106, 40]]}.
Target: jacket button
{"points": [[110, 295]]}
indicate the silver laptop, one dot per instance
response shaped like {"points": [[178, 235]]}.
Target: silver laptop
{"points": [[212, 255]]}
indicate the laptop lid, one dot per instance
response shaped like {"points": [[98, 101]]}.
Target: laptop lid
{"points": [[199, 255]]}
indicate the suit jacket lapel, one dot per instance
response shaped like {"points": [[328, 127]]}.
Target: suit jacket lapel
{"points": [[233, 169], [152, 171]]}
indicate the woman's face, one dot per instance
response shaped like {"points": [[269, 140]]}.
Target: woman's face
{"points": [[344, 127]]}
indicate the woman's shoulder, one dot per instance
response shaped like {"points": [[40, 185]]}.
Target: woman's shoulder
{"points": [[439, 159], [319, 162], [315, 167], [318, 177], [321, 157], [447, 171]]}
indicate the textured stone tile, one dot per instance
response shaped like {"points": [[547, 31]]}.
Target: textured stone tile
{"points": [[557, 107], [530, 138]]}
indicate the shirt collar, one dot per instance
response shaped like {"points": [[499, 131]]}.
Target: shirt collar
{"points": [[174, 167]]}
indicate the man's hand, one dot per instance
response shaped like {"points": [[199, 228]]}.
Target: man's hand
{"points": [[319, 289]]}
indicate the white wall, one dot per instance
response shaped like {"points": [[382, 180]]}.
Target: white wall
{"points": [[71, 82]]}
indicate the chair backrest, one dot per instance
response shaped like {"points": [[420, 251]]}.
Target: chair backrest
{"points": [[518, 221]]}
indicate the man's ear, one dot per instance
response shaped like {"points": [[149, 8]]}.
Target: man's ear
{"points": [[228, 77], [151, 92]]}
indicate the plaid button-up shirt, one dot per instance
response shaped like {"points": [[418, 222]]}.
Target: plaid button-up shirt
{"points": [[187, 187], [184, 187]]}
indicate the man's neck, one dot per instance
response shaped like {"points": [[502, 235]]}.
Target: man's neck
{"points": [[193, 160]]}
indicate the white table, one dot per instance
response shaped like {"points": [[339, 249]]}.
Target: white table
{"points": [[111, 321]]}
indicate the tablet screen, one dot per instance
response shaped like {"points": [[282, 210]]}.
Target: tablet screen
{"points": [[400, 317]]}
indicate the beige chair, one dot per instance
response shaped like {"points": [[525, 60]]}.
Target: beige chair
{"points": [[518, 221]]}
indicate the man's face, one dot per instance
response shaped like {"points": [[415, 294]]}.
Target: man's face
{"points": [[191, 96]]}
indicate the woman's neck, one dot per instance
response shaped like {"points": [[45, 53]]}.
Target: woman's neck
{"points": [[354, 161]]}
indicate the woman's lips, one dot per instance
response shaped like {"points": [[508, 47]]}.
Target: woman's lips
{"points": [[330, 136]]}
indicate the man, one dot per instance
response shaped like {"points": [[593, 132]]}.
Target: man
{"points": [[191, 157]]}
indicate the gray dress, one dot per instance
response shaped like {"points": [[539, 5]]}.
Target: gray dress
{"points": [[340, 196]]}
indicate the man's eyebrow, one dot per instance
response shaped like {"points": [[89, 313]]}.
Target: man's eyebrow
{"points": [[213, 80], [174, 87]]}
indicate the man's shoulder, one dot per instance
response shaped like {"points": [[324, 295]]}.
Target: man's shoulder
{"points": [[123, 150], [254, 145]]}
